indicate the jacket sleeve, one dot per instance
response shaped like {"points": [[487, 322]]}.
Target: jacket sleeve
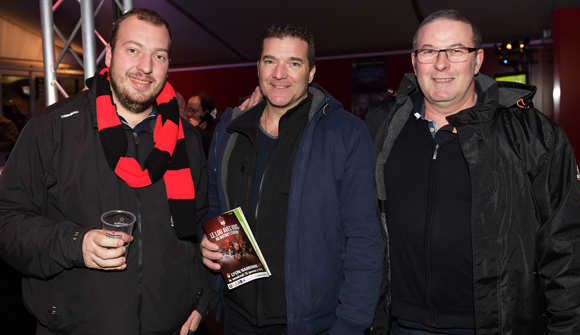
{"points": [[375, 120], [29, 241], [363, 259], [215, 149], [212, 193], [214, 206], [557, 196]]}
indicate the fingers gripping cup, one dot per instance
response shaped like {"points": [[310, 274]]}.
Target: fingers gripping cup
{"points": [[119, 224]]}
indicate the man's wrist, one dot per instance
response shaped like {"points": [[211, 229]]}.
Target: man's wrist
{"points": [[77, 238]]}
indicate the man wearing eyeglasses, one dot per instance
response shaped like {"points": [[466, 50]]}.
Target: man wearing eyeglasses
{"points": [[479, 196], [199, 110]]}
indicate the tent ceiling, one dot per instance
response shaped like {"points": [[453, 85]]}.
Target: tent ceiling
{"points": [[230, 30]]}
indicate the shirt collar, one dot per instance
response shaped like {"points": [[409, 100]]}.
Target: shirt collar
{"points": [[142, 124], [433, 127]]}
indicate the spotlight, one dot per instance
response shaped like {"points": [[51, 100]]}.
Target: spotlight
{"points": [[508, 46], [524, 43], [503, 46], [508, 62]]}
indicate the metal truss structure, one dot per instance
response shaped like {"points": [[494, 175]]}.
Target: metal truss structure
{"points": [[89, 34]]}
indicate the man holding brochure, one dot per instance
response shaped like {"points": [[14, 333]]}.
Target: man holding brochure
{"points": [[300, 168]]}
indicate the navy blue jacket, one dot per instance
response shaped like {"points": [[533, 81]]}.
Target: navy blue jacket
{"points": [[334, 247]]}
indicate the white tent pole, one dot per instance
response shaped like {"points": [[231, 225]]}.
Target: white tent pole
{"points": [[89, 43], [48, 51], [127, 5]]}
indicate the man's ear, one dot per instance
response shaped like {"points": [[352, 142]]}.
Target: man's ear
{"points": [[478, 61], [109, 55], [311, 74]]}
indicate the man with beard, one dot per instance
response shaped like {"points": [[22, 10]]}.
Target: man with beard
{"points": [[118, 145]]}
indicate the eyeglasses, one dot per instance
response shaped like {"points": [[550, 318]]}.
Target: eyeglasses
{"points": [[454, 55]]}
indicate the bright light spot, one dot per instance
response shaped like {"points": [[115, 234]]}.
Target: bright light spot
{"points": [[556, 94]]}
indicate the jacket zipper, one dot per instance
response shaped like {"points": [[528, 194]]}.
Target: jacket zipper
{"points": [[435, 152], [139, 244], [259, 195], [140, 275], [428, 227]]}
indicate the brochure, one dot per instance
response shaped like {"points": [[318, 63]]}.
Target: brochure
{"points": [[242, 260]]}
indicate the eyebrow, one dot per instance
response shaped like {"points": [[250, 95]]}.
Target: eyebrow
{"points": [[455, 45], [142, 46], [297, 59], [294, 59]]}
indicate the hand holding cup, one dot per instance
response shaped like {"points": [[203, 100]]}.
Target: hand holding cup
{"points": [[107, 249]]}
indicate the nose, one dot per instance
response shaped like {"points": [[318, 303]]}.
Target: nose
{"points": [[279, 72], [442, 63], [145, 64]]}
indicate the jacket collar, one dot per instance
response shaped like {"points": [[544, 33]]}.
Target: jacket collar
{"points": [[92, 97], [321, 101], [494, 95]]}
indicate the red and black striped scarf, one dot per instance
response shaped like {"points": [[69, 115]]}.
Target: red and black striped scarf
{"points": [[168, 158]]}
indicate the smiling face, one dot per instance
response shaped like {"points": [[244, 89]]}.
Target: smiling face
{"points": [[447, 86], [138, 64], [283, 72]]}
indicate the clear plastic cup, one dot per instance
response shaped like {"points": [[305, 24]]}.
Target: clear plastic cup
{"points": [[119, 224]]}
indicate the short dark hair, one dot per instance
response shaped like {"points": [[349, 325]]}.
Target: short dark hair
{"points": [[207, 102], [142, 14], [451, 15], [288, 30]]}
